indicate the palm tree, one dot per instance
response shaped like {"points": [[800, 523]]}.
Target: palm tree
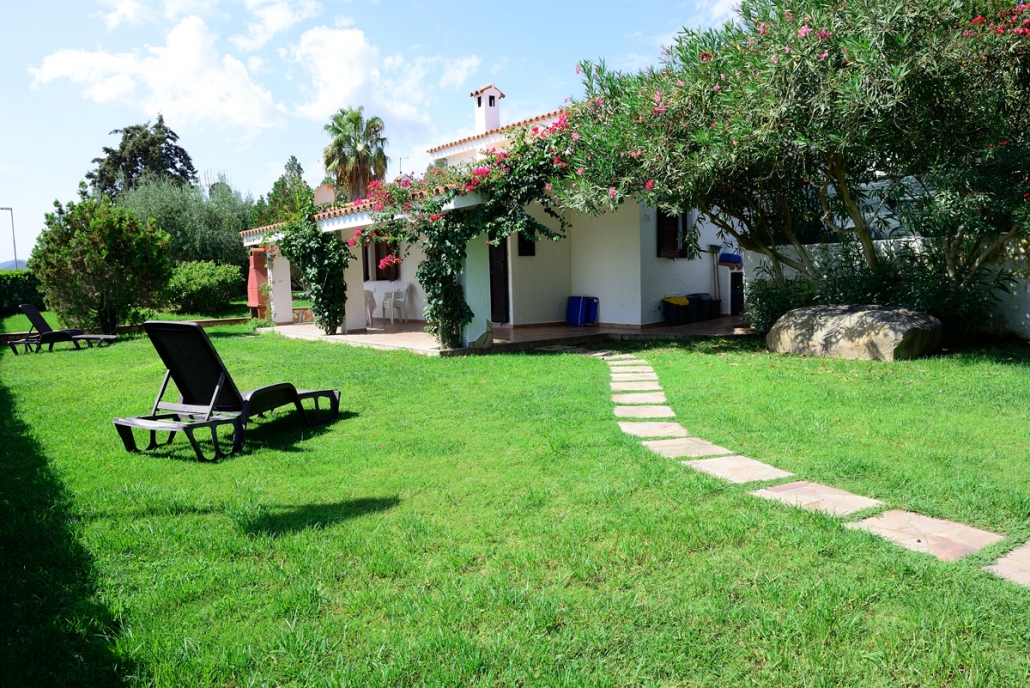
{"points": [[357, 153]]}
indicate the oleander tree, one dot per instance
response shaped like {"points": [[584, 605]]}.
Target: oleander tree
{"points": [[805, 117]]}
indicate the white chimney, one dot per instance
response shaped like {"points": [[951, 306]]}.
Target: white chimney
{"points": [[487, 101]]}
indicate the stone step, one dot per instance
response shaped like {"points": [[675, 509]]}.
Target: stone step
{"points": [[644, 412]]}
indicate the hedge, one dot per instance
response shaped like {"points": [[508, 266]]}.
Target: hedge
{"points": [[18, 287]]}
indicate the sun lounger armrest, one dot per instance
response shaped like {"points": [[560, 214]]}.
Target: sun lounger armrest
{"points": [[270, 397]]}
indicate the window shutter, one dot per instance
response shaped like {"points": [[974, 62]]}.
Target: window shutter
{"points": [[668, 235], [388, 273], [364, 263]]}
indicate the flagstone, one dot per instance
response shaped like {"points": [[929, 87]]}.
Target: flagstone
{"points": [[654, 429], [1015, 566], [632, 369], [946, 540], [636, 387], [617, 357], [738, 469], [644, 412], [633, 377], [645, 398], [626, 362], [688, 446], [817, 497]]}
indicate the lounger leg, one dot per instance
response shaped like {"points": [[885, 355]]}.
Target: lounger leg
{"points": [[14, 348], [128, 440], [196, 447]]}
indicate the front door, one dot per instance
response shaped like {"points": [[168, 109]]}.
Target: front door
{"points": [[499, 281]]}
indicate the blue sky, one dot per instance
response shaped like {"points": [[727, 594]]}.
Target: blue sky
{"points": [[247, 83]]}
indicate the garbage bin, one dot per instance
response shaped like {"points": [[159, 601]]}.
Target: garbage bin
{"points": [[679, 310]]}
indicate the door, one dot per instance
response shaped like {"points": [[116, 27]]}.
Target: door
{"points": [[499, 281]]}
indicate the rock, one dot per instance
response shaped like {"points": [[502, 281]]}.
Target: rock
{"points": [[865, 333]]}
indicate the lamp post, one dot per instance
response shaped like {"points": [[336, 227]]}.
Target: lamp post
{"points": [[13, 240]]}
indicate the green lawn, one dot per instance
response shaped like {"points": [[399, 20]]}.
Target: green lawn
{"points": [[482, 521], [20, 323]]}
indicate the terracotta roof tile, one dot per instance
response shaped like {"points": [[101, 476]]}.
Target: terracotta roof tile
{"points": [[483, 88], [507, 127]]}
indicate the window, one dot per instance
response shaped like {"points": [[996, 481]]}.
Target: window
{"points": [[390, 272], [670, 235], [365, 260], [479, 101], [492, 102], [527, 247]]}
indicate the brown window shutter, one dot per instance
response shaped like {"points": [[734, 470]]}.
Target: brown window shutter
{"points": [[382, 251]]}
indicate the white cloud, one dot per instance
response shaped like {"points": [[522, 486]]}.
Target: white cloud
{"points": [[272, 17], [347, 71], [456, 71], [180, 8], [124, 11], [185, 79]]}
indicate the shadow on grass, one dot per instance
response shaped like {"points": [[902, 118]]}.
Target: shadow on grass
{"points": [[280, 521], [54, 631], [282, 432]]}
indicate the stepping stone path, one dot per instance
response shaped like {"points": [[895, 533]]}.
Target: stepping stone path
{"points": [[945, 540], [737, 469], [816, 497], [1014, 566], [644, 412], [642, 397]]}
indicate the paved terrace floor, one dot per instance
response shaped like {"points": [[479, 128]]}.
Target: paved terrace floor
{"points": [[413, 337]]}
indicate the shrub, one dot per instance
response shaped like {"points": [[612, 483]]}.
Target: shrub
{"points": [[100, 266], [914, 275], [18, 287], [202, 286]]}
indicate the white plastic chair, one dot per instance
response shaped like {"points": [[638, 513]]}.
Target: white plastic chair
{"points": [[370, 306], [394, 300]]}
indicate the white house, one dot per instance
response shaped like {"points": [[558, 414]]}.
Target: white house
{"points": [[629, 259]]}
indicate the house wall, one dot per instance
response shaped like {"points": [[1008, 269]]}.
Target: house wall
{"points": [[354, 317], [605, 262], [661, 277], [540, 285], [281, 297]]}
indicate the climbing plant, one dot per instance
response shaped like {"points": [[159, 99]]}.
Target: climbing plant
{"points": [[502, 186], [322, 257]]}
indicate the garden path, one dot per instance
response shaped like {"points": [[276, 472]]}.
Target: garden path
{"points": [[946, 540]]}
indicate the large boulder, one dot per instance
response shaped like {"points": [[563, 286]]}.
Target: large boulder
{"points": [[865, 333]]}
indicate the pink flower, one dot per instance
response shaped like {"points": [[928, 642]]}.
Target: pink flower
{"points": [[823, 34], [787, 14], [678, 82], [548, 186], [577, 69], [434, 218], [658, 97], [575, 136], [804, 31], [612, 191], [580, 171], [979, 19], [705, 56], [649, 185], [351, 242], [718, 87], [786, 48], [763, 29], [775, 59], [825, 54]]}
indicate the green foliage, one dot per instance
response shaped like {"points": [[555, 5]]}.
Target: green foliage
{"points": [[281, 203], [506, 183], [357, 153], [202, 286], [322, 258], [911, 274], [203, 226], [18, 287], [100, 266], [809, 113], [145, 151]]}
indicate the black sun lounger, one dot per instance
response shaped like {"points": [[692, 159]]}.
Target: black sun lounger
{"points": [[47, 335], [208, 396]]}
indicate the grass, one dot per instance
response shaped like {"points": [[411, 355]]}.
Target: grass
{"points": [[482, 521], [19, 323]]}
